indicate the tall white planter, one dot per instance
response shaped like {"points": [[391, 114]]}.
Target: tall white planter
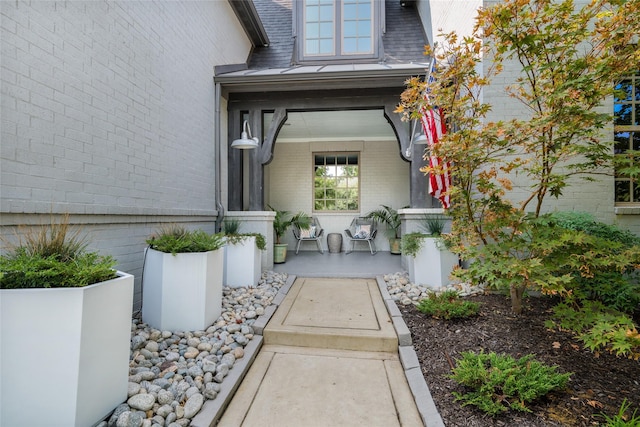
{"points": [[182, 292], [432, 264], [243, 263], [64, 359]]}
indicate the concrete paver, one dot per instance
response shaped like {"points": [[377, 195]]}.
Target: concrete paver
{"points": [[330, 359]]}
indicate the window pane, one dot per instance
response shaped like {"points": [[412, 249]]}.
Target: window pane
{"points": [[313, 14], [326, 30], [312, 47], [350, 29], [326, 13], [364, 11], [623, 91], [365, 45], [326, 46], [623, 191], [364, 28], [621, 144], [350, 45], [313, 31], [350, 12], [622, 113], [636, 140]]}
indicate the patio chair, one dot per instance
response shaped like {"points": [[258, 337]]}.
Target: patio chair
{"points": [[313, 233], [362, 230]]}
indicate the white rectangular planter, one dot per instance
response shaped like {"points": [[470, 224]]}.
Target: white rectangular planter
{"points": [[243, 263], [432, 265], [182, 292], [64, 358]]}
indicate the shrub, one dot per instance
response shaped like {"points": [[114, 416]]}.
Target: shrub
{"points": [[582, 221], [500, 382], [621, 419], [448, 305], [177, 239], [53, 257], [599, 328]]}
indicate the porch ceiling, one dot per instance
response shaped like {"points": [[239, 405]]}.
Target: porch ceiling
{"points": [[353, 125]]}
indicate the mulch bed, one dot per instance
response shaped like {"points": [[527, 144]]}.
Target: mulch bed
{"points": [[598, 385]]}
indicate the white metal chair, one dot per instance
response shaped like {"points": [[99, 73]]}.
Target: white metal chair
{"points": [[362, 230], [313, 233]]}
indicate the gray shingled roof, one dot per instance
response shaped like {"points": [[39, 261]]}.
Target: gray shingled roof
{"points": [[403, 41]]}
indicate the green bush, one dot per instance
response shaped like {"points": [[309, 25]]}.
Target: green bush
{"points": [[500, 382], [582, 221], [53, 257], [599, 327], [176, 239], [448, 305], [621, 419]]}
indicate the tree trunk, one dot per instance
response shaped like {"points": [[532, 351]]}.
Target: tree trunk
{"points": [[517, 291]]}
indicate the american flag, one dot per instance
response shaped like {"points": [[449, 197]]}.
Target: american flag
{"points": [[434, 127]]}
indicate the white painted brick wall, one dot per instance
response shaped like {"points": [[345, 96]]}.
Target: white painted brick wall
{"points": [[108, 106], [107, 112]]}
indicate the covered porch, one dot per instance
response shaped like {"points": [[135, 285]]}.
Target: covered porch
{"points": [[358, 264]]}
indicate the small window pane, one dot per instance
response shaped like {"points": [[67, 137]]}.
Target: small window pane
{"points": [[636, 140], [622, 113], [313, 31], [364, 28], [364, 11], [312, 13], [326, 13], [623, 191], [326, 46], [312, 47], [326, 30], [350, 29], [350, 45], [623, 91], [350, 12]]}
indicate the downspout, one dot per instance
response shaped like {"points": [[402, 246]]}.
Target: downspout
{"points": [[218, 162]]}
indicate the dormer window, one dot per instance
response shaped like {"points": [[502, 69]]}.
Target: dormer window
{"points": [[338, 29]]}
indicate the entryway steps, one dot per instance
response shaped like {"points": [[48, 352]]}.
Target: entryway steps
{"points": [[341, 314]]}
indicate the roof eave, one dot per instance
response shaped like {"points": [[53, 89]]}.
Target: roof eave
{"points": [[248, 16]]}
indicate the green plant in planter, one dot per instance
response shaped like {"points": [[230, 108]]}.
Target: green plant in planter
{"points": [[433, 224], [231, 231], [285, 219], [53, 257], [412, 243], [390, 218], [176, 239]]}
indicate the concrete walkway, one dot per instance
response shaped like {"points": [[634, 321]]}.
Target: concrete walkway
{"points": [[332, 356]]}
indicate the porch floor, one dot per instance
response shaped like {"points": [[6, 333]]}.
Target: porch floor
{"points": [[360, 264]]}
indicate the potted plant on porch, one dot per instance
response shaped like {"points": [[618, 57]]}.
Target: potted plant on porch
{"points": [[430, 261], [65, 330], [182, 279], [391, 219], [281, 223], [243, 255]]}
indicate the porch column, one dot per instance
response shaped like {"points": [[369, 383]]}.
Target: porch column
{"points": [[419, 186], [256, 169], [234, 159]]}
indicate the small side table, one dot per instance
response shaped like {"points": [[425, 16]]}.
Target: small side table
{"points": [[334, 242]]}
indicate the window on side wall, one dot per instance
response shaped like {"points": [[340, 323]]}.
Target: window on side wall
{"points": [[338, 29], [336, 182], [626, 127]]}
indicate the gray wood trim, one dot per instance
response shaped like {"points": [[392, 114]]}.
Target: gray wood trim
{"points": [[234, 158], [256, 170], [278, 120], [400, 129]]}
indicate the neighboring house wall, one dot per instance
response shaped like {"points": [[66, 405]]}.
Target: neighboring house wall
{"points": [[108, 114], [596, 197], [384, 180], [444, 16]]}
